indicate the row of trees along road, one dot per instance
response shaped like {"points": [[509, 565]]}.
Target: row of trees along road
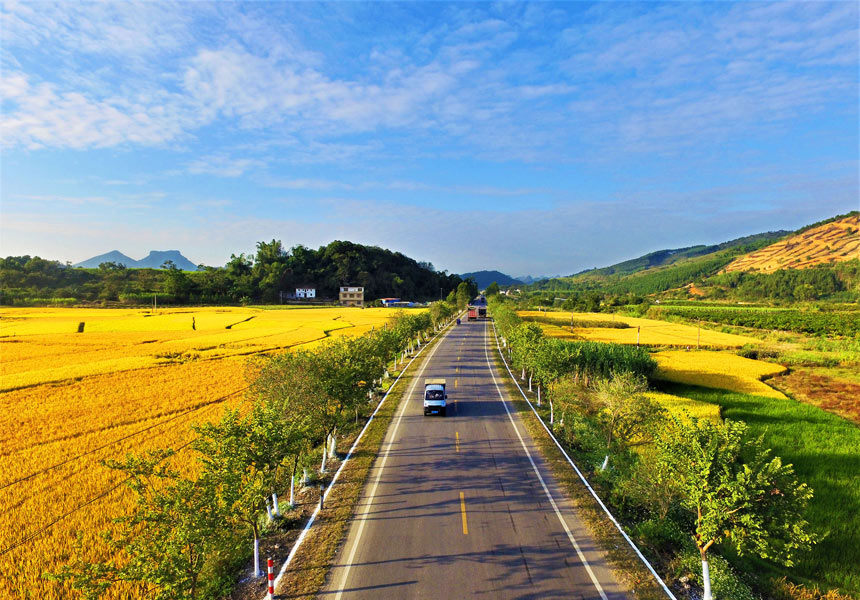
{"points": [[186, 536], [680, 484]]}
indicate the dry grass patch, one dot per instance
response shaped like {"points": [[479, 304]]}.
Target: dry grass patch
{"points": [[820, 388]]}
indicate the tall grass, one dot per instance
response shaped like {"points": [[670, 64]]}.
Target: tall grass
{"points": [[825, 451]]}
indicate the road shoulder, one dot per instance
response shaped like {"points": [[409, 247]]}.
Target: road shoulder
{"points": [[626, 567]]}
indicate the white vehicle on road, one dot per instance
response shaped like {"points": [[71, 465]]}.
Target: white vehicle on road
{"points": [[435, 398]]}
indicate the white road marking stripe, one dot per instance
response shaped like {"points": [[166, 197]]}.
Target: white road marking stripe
{"points": [[540, 478], [362, 520]]}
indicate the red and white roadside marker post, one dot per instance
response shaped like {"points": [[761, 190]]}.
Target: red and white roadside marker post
{"points": [[271, 594]]}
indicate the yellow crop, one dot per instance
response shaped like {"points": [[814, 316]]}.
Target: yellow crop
{"points": [[718, 370], [130, 382], [678, 405], [649, 332]]}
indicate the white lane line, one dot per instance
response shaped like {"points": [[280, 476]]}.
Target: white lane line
{"points": [[540, 478], [334, 479], [362, 518]]}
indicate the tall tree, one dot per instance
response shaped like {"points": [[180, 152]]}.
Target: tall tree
{"points": [[737, 493]]}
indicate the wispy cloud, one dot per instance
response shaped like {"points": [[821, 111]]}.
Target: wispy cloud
{"points": [[557, 128], [222, 165]]}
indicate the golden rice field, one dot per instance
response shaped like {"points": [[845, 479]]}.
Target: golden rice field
{"points": [[686, 407], [720, 370], [132, 381], [650, 332]]}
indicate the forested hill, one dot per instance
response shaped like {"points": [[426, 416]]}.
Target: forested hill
{"points": [[260, 277], [661, 270], [668, 257], [829, 248]]}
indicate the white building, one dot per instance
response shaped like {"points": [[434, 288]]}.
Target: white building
{"points": [[306, 292]]}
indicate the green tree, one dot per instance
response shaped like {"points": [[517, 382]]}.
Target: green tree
{"points": [[737, 493], [464, 295], [622, 411], [492, 290], [176, 283], [172, 534], [237, 471]]}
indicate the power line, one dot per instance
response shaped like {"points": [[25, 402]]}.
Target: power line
{"points": [[29, 538], [131, 435]]}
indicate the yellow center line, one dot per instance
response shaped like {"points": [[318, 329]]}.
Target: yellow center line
{"points": [[463, 512], [456, 381], [457, 440]]}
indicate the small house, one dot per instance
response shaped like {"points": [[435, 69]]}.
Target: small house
{"points": [[306, 292]]}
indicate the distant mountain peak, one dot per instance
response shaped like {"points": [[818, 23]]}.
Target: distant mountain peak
{"points": [[154, 260]]}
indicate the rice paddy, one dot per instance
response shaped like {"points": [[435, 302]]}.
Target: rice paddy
{"points": [[130, 382], [645, 332]]}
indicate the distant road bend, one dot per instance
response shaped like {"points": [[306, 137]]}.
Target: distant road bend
{"points": [[464, 506]]}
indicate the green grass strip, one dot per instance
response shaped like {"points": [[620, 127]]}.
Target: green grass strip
{"points": [[825, 451]]}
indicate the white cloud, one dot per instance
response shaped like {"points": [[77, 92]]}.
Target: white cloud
{"points": [[222, 165], [44, 116]]}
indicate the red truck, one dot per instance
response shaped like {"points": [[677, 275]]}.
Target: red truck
{"points": [[473, 314]]}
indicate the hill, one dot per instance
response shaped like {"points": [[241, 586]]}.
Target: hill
{"points": [[485, 278], [661, 270], [269, 276], [114, 256], [668, 257], [817, 262], [834, 241], [153, 260]]}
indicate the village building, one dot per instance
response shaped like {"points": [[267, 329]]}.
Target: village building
{"points": [[352, 296], [306, 292]]}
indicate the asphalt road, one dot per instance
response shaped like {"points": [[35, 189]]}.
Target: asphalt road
{"points": [[463, 506]]}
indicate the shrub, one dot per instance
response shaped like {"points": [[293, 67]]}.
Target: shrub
{"points": [[725, 583]]}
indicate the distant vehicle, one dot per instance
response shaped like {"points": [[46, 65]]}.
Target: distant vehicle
{"points": [[435, 398], [473, 314]]}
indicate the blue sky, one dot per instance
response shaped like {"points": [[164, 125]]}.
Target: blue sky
{"points": [[536, 138]]}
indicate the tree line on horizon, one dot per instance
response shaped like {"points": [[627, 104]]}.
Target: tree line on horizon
{"points": [[268, 276]]}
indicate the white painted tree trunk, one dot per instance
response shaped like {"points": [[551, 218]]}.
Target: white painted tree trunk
{"points": [[276, 509], [268, 511], [538, 396], [293, 491], [706, 579], [322, 465], [257, 572], [605, 463], [523, 376], [551, 413], [530, 382], [305, 476], [333, 448]]}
